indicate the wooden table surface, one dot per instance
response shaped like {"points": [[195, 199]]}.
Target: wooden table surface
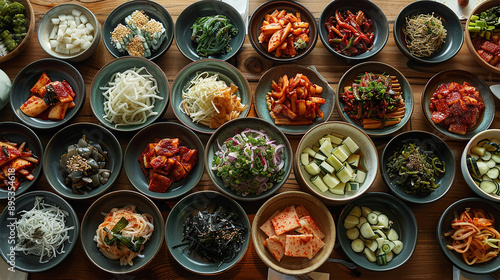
{"points": [[427, 261]]}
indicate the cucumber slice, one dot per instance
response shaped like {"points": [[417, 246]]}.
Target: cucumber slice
{"points": [[486, 156], [381, 259], [346, 150], [353, 186], [389, 256], [318, 182], [392, 235], [490, 163], [380, 233], [319, 157], [310, 151], [351, 221], [353, 147], [353, 160], [338, 189], [371, 244], [326, 148], [493, 173], [489, 186], [365, 211], [352, 233], [334, 161], [334, 139], [312, 168], [482, 167], [366, 231], [369, 255], [357, 245], [398, 247], [362, 220], [383, 220], [495, 157], [344, 175], [372, 218], [355, 211], [480, 143], [326, 167], [478, 150], [360, 176], [304, 159], [331, 180], [491, 146], [339, 154]]}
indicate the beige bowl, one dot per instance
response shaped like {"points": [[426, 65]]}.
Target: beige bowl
{"points": [[30, 17], [294, 265], [481, 7], [45, 28], [369, 160]]}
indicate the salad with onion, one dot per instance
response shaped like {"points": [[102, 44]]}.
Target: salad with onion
{"points": [[249, 162]]}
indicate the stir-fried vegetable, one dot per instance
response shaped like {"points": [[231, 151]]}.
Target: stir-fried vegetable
{"points": [[213, 35], [249, 162], [424, 34], [415, 168]]}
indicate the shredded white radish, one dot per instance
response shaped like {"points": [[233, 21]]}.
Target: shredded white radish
{"points": [[42, 230], [130, 97]]}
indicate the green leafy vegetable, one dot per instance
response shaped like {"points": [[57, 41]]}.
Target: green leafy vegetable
{"points": [[213, 35], [134, 244]]}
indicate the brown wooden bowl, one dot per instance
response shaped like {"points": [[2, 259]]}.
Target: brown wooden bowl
{"points": [[30, 17], [468, 40], [294, 265]]}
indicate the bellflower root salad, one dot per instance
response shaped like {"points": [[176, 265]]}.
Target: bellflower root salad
{"points": [[424, 34], [213, 35], [249, 162], [415, 168]]}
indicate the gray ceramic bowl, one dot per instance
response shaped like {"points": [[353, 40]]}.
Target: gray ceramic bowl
{"points": [[227, 131], [487, 134], [18, 133], [58, 145], [190, 205], [405, 224], [429, 142], [372, 11], [103, 77], [94, 217], [148, 135], [189, 15], [444, 225], [454, 37], [274, 74], [377, 68], [227, 73], [153, 9], [459, 76], [45, 27], [257, 18], [57, 70], [30, 263]]}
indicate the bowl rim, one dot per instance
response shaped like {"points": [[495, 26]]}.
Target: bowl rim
{"points": [[272, 3], [434, 6], [69, 116], [160, 8], [226, 65], [183, 129], [408, 97], [45, 20], [161, 109], [182, 48], [26, 40], [54, 184], [456, 72], [466, 172], [353, 59], [38, 144], [269, 127], [409, 197], [442, 241], [71, 215], [328, 245], [141, 196], [342, 199], [230, 200], [389, 199]]}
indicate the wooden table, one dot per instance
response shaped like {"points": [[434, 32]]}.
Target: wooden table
{"points": [[427, 261]]}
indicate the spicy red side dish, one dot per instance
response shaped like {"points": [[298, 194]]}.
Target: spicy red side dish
{"points": [[456, 106]]}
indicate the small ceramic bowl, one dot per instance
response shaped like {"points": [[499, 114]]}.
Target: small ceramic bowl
{"points": [[46, 29], [369, 161], [70, 135], [444, 226], [454, 32], [236, 126], [317, 210], [30, 18], [191, 205], [371, 11], [377, 68], [487, 134], [5, 85], [31, 263], [226, 72], [148, 135], [480, 7], [258, 16], [428, 142], [459, 76], [104, 76], [397, 211], [189, 15], [18, 133], [152, 9], [274, 74], [95, 216], [57, 70]]}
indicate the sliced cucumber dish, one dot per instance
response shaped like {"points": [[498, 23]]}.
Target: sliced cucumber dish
{"points": [[372, 234], [483, 162]]}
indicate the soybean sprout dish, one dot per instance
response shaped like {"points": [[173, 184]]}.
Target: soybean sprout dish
{"points": [[249, 162], [424, 34], [130, 97], [42, 230]]}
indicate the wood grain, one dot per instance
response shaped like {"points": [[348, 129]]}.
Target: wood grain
{"points": [[428, 262]]}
